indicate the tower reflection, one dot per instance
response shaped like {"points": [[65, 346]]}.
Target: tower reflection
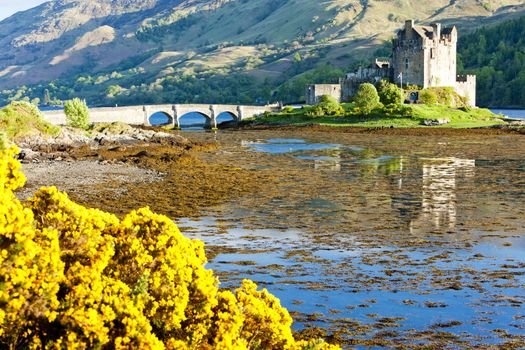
{"points": [[438, 192]]}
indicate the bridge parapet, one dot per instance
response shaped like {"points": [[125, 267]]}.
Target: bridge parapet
{"points": [[140, 115]]}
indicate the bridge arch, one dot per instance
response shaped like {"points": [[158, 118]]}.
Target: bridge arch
{"points": [[160, 118], [194, 120], [226, 116], [227, 110]]}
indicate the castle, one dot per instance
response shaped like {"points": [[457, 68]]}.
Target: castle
{"points": [[423, 56]]}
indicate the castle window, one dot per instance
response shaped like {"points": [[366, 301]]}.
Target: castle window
{"points": [[432, 53], [406, 63]]}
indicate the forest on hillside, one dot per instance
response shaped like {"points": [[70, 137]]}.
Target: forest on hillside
{"points": [[496, 55]]}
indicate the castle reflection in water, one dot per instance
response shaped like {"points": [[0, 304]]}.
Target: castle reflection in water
{"points": [[423, 190], [439, 202]]}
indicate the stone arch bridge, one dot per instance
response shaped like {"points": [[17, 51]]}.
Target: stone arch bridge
{"points": [[140, 115]]}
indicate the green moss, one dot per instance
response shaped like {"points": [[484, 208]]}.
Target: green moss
{"points": [[21, 119]]}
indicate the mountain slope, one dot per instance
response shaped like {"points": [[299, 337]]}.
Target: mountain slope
{"points": [[496, 55], [122, 44]]}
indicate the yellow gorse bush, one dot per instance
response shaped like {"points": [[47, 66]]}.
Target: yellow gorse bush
{"points": [[78, 278]]}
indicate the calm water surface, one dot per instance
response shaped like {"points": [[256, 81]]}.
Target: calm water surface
{"points": [[384, 239], [511, 113]]}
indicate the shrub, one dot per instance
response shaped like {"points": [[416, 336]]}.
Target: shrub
{"points": [[330, 105], [381, 84], [413, 87], [428, 97], [445, 96], [366, 98], [288, 109], [392, 109], [390, 94], [74, 277], [407, 111], [314, 111], [327, 105], [397, 110], [77, 113], [21, 119]]}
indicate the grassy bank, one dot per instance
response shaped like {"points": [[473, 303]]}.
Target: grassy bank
{"points": [[20, 119], [412, 116]]}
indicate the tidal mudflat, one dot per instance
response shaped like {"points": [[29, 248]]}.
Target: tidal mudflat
{"points": [[379, 240]]}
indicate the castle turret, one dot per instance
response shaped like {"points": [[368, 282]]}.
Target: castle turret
{"points": [[409, 25], [437, 30]]}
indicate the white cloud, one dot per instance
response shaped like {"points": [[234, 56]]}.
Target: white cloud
{"points": [[9, 7]]}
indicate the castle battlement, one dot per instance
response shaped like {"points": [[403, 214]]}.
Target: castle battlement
{"points": [[465, 78], [466, 87], [424, 56]]}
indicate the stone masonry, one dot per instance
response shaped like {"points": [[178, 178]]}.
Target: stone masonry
{"points": [[315, 91], [140, 115], [423, 56]]}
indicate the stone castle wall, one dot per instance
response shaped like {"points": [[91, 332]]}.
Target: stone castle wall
{"points": [[466, 86], [351, 82], [425, 56], [315, 91], [408, 62], [440, 64]]}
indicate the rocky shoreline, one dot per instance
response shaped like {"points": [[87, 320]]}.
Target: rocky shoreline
{"points": [[37, 148], [119, 168]]}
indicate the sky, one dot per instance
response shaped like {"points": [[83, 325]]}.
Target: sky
{"points": [[9, 7]]}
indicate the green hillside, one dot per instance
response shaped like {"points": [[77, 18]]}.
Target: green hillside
{"points": [[131, 51], [497, 56]]}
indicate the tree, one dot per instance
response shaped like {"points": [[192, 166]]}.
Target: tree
{"points": [[47, 97], [390, 94], [366, 98], [77, 113], [113, 90], [329, 105]]}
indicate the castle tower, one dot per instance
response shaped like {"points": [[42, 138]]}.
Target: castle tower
{"points": [[425, 55]]}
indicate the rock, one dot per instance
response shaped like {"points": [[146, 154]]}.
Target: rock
{"points": [[142, 154], [27, 154], [114, 134], [435, 122]]}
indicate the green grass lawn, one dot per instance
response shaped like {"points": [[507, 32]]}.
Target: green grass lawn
{"points": [[474, 118]]}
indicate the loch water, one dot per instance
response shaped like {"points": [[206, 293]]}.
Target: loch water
{"points": [[384, 239], [510, 113]]}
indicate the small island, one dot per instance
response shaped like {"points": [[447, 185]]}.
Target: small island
{"points": [[370, 112], [417, 86]]}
